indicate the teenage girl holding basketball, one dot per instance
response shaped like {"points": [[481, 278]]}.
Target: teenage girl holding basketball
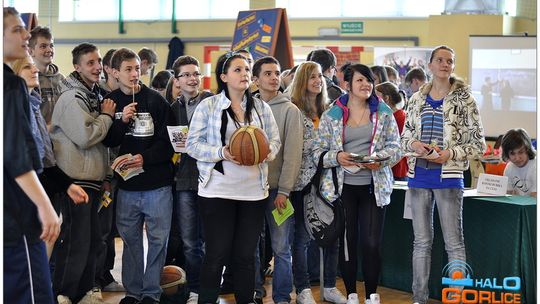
{"points": [[232, 197]]}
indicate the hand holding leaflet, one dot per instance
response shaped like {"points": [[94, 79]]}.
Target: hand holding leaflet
{"points": [[285, 213]]}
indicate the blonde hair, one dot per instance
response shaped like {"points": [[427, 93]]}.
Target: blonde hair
{"points": [[19, 64], [299, 91]]}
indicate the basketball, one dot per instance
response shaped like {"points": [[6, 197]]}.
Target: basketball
{"points": [[249, 145], [172, 277]]}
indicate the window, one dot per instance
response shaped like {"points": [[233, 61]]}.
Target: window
{"points": [[107, 10], [356, 8], [23, 6]]}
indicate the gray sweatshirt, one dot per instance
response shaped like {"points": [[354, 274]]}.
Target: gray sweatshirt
{"points": [[283, 170], [77, 130]]}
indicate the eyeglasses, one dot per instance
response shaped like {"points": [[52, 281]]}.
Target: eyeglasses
{"points": [[189, 75]]}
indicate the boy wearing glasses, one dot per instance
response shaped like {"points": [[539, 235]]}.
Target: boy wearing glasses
{"points": [[187, 80]]}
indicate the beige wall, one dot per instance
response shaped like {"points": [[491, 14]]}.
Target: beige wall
{"points": [[452, 30]]}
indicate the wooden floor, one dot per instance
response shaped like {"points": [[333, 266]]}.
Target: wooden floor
{"points": [[388, 296]]}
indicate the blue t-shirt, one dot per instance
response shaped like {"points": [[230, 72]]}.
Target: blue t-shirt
{"points": [[429, 174]]}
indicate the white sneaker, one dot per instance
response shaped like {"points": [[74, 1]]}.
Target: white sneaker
{"points": [[375, 298], [193, 298], [334, 295], [63, 299], [353, 299], [92, 297], [305, 297]]}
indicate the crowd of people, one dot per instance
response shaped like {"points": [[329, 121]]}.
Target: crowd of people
{"points": [[65, 133]]}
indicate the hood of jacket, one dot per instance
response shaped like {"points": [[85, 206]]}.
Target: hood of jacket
{"points": [[74, 82], [278, 99], [457, 84], [52, 70]]}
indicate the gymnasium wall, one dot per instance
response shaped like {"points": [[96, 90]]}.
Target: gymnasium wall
{"points": [[453, 30]]}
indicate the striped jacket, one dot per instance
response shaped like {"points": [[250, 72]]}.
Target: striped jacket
{"points": [[204, 137], [463, 134]]}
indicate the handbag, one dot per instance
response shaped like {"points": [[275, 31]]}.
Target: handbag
{"points": [[324, 220]]}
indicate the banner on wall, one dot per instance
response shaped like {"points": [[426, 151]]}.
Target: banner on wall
{"points": [[264, 32]]}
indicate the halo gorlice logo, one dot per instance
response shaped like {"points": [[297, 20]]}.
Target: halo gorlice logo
{"points": [[463, 288]]}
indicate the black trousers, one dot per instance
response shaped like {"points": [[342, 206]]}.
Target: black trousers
{"points": [[76, 247], [365, 222], [231, 233]]}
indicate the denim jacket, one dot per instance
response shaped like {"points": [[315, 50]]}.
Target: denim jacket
{"points": [[385, 142], [204, 137], [463, 134]]}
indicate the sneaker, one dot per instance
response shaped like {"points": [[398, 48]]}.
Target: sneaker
{"points": [[334, 295], [193, 298], [129, 300], [149, 300], [353, 299], [367, 301], [114, 287], [92, 297], [375, 298], [63, 299], [305, 297]]}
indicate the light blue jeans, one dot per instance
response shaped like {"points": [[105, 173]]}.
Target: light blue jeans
{"points": [[153, 207], [189, 220], [281, 248], [449, 206]]}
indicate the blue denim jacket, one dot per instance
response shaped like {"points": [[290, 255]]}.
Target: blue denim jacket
{"points": [[204, 137]]}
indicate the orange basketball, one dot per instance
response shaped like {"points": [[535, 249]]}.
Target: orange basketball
{"points": [[172, 277], [249, 145]]}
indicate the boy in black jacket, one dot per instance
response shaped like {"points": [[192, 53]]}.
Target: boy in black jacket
{"points": [[29, 217], [141, 130], [188, 79]]}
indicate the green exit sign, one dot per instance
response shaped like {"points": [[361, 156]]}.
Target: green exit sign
{"points": [[352, 27]]}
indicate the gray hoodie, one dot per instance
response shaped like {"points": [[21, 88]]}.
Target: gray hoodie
{"points": [[77, 130], [283, 170], [49, 87]]}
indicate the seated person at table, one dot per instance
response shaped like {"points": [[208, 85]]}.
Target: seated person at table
{"points": [[521, 156]]}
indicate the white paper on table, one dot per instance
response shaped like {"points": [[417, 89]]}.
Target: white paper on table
{"points": [[178, 136], [492, 184]]}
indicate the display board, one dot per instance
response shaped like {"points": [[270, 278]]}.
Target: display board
{"points": [[264, 32], [30, 19]]}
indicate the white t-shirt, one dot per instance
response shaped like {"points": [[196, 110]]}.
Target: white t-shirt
{"points": [[521, 180], [241, 183]]}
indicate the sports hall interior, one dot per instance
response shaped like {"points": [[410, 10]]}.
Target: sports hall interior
{"points": [[452, 29]]}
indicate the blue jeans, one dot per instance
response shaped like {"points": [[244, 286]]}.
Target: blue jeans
{"points": [[300, 247], [189, 220], [449, 206], [281, 248], [153, 207]]}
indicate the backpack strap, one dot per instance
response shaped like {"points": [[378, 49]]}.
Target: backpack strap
{"points": [[224, 121], [316, 179]]}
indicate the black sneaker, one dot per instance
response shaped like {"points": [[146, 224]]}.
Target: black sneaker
{"points": [[129, 300], [148, 300]]}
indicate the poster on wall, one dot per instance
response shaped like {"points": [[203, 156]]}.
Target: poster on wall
{"points": [[264, 32]]}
